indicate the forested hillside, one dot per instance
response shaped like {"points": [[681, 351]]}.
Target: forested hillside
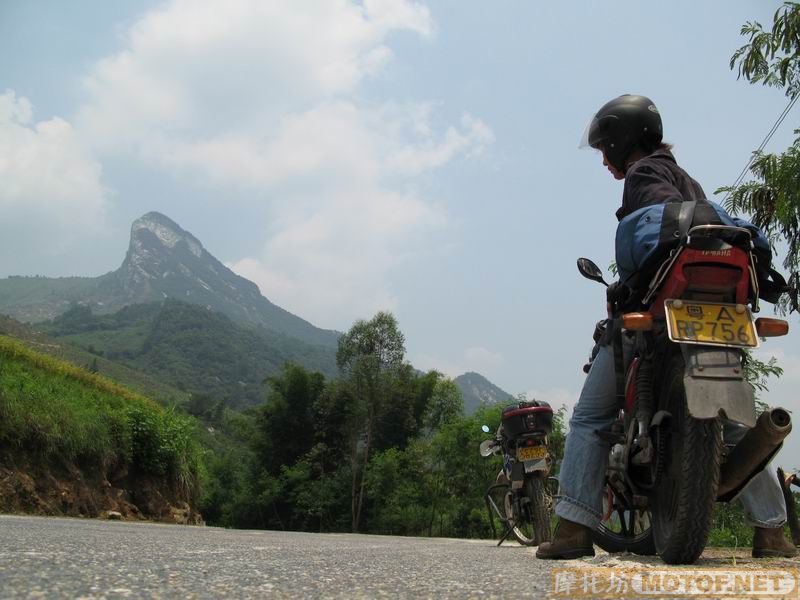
{"points": [[381, 449], [189, 347]]}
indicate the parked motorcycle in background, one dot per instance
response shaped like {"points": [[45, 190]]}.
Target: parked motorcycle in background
{"points": [[520, 497]]}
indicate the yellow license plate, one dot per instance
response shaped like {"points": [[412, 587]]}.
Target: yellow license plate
{"points": [[531, 452], [711, 323]]}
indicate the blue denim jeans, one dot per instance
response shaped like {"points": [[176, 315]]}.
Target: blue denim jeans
{"points": [[583, 469]]}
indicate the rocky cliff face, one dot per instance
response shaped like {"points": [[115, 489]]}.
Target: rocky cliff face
{"points": [[164, 261]]}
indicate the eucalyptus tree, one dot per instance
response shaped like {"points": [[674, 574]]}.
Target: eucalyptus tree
{"points": [[370, 357]]}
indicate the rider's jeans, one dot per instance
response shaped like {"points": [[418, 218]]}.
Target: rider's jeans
{"points": [[583, 469]]}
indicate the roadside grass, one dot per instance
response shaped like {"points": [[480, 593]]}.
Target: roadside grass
{"points": [[51, 410]]}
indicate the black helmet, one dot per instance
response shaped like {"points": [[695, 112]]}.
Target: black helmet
{"points": [[623, 124]]}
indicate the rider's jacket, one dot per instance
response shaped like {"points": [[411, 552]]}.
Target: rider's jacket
{"points": [[654, 179]]}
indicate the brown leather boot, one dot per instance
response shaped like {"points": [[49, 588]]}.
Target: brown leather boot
{"points": [[772, 543], [571, 540]]}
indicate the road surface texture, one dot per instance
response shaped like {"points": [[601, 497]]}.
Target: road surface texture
{"points": [[79, 558]]}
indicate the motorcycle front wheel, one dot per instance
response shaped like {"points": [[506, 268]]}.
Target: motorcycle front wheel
{"points": [[683, 503], [531, 515]]}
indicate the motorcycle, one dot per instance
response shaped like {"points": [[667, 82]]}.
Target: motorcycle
{"points": [[669, 461], [520, 496]]}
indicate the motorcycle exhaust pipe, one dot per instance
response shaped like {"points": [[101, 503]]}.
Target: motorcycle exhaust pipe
{"points": [[753, 452]]}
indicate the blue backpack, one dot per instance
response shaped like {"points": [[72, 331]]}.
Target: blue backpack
{"points": [[646, 236]]}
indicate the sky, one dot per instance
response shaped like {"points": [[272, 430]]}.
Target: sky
{"points": [[351, 157]]}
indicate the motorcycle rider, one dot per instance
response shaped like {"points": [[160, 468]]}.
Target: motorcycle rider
{"points": [[628, 132]]}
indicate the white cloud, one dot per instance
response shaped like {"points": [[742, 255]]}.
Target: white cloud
{"points": [[333, 263], [197, 66], [49, 179], [337, 143], [473, 136], [266, 97]]}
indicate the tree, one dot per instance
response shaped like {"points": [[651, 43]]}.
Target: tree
{"points": [[444, 405], [370, 357], [285, 422], [772, 58]]}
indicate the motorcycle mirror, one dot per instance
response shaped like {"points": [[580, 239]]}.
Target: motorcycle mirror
{"points": [[487, 447], [485, 429], [591, 271]]}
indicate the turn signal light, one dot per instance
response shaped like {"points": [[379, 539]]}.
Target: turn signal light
{"points": [[767, 327], [638, 321]]}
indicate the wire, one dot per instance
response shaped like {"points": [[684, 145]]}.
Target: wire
{"points": [[763, 144]]}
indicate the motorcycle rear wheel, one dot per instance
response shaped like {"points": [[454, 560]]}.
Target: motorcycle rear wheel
{"points": [[683, 503], [624, 530], [532, 521]]}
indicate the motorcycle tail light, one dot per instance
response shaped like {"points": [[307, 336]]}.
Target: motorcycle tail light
{"points": [[638, 321], [767, 327], [713, 279]]}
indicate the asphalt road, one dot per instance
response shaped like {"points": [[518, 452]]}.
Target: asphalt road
{"points": [[78, 558]]}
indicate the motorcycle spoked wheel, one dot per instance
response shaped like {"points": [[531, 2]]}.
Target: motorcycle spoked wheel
{"points": [[623, 529], [531, 521], [683, 502]]}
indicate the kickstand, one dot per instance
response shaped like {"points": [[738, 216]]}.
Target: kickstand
{"points": [[491, 506], [489, 501], [507, 533]]}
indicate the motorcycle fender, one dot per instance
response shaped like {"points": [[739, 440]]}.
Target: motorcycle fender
{"points": [[517, 475], [714, 384], [536, 465]]}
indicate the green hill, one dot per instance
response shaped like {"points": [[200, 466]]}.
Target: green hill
{"points": [[76, 443], [133, 379], [189, 348]]}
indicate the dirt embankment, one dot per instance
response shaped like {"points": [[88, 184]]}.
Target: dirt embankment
{"points": [[68, 491]]}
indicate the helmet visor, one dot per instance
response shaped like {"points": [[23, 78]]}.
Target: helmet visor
{"points": [[597, 132], [584, 143]]}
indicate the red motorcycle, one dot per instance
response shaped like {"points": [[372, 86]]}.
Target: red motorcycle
{"points": [[669, 462]]}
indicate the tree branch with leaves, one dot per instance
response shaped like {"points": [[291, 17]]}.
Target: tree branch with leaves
{"points": [[772, 58]]}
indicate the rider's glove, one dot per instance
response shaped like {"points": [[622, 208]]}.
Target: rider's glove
{"points": [[617, 292]]}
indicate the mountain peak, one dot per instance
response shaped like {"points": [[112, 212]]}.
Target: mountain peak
{"points": [[166, 261], [479, 391], [166, 231]]}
